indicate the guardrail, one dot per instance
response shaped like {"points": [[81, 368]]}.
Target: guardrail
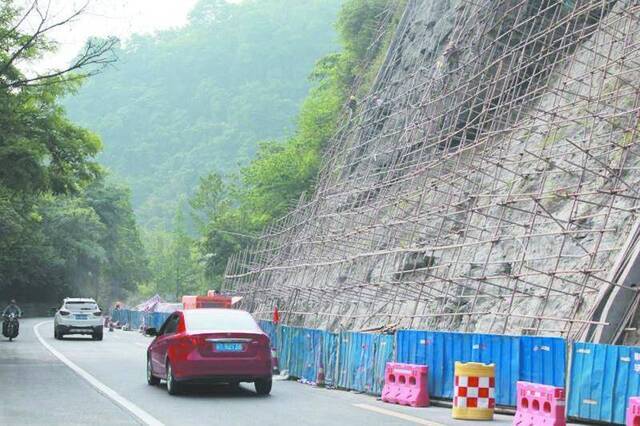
{"points": [[599, 382]]}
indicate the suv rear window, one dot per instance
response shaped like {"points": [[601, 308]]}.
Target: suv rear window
{"points": [[220, 320], [81, 306]]}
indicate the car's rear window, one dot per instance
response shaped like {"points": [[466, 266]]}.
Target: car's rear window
{"points": [[81, 306], [220, 320]]}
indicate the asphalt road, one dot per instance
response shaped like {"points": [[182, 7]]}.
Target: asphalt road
{"points": [[104, 383]]}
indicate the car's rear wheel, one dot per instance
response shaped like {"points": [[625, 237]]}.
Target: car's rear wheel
{"points": [[151, 379], [97, 335], [173, 387], [263, 387], [58, 334]]}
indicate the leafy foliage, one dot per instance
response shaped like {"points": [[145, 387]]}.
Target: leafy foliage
{"points": [[63, 229]]}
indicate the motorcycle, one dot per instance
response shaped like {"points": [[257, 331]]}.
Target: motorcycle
{"points": [[10, 326]]}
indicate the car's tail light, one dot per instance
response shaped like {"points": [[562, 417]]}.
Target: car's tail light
{"points": [[262, 341], [65, 313], [190, 341], [97, 314]]}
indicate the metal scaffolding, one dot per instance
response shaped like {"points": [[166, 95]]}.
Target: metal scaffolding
{"points": [[487, 182]]}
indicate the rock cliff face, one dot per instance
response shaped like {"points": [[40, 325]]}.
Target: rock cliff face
{"points": [[487, 184]]}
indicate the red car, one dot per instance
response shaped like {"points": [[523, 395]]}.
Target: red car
{"points": [[209, 346]]}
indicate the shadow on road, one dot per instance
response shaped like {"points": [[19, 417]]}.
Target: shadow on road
{"points": [[77, 339], [216, 391]]}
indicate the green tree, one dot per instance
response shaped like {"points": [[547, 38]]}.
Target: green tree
{"points": [[63, 231]]}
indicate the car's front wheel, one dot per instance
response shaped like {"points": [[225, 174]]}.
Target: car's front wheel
{"points": [[151, 379], [263, 387], [173, 387]]}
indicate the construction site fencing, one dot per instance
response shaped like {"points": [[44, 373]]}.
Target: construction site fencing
{"points": [[362, 359], [536, 359], [138, 319], [602, 379]]}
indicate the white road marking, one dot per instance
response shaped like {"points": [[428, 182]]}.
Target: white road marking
{"points": [[105, 390], [142, 345], [395, 414]]}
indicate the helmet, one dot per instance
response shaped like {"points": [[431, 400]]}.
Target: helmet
{"points": [[13, 301]]}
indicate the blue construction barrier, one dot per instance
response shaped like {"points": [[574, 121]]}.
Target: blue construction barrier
{"points": [[303, 351], [330, 344], [156, 319], [135, 319], [270, 329], [602, 379], [536, 359], [362, 360]]}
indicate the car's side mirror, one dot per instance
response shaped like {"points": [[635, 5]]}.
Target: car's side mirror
{"points": [[151, 331]]}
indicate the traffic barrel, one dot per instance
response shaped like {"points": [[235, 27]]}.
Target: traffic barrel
{"points": [[474, 391]]}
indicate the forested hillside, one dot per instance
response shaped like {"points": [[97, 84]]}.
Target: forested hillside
{"points": [[65, 228], [231, 209], [183, 102]]}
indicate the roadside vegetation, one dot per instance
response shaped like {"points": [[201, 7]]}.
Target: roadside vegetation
{"points": [[229, 162], [64, 225]]}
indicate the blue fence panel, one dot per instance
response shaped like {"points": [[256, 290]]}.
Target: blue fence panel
{"points": [[135, 319], [330, 342], [504, 352], [270, 329], [541, 360], [362, 359], [156, 319], [602, 379], [383, 354], [116, 315], [312, 354], [437, 350], [284, 348]]}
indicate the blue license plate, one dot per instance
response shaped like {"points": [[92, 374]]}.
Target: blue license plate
{"points": [[82, 317], [229, 347]]}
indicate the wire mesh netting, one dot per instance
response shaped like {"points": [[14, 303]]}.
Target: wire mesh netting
{"points": [[486, 183]]}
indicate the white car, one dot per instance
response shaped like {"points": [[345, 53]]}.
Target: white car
{"points": [[78, 316]]}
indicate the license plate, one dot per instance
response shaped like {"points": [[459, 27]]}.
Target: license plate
{"points": [[82, 317], [229, 347]]}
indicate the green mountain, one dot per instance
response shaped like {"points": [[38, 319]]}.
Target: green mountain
{"points": [[187, 101]]}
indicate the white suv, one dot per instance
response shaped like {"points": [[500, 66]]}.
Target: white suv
{"points": [[78, 316]]}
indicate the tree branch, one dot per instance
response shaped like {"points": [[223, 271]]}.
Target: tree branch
{"points": [[94, 54]]}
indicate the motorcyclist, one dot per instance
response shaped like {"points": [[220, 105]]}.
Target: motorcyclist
{"points": [[12, 308]]}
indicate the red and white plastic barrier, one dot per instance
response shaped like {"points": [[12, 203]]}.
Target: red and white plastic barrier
{"points": [[540, 405], [633, 411], [406, 384]]}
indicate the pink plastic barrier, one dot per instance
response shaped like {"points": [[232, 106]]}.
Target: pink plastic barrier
{"points": [[633, 411], [406, 384], [539, 405]]}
